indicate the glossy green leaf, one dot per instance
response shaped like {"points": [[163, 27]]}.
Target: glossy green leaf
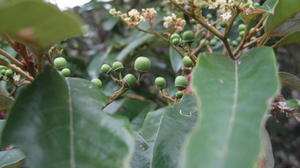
{"points": [[284, 10], [293, 104], [139, 40], [59, 123], [165, 131], [5, 100], [290, 80], [291, 38], [233, 98], [42, 24], [176, 60]]}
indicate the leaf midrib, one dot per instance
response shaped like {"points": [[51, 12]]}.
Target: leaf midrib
{"points": [[71, 128]]}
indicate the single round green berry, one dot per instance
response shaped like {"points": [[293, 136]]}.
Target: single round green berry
{"points": [[116, 66], [239, 39], [188, 36], [160, 82], [129, 80], [209, 16], [175, 41], [175, 36], [97, 82], [179, 94], [234, 43], [242, 27], [9, 73], [2, 71], [256, 4], [65, 72], [213, 42], [252, 38], [142, 64], [60, 62], [187, 61], [181, 82], [193, 21], [105, 68], [223, 24], [203, 42], [242, 33]]}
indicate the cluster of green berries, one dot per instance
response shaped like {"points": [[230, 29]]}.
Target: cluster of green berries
{"points": [[187, 37], [180, 83], [60, 63], [4, 71], [141, 65]]}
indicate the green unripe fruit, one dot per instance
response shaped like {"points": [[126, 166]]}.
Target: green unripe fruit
{"points": [[187, 61], [204, 42], [105, 68], [116, 66], [179, 94], [181, 82], [239, 39], [252, 38], [97, 82], [2, 71], [234, 43], [65, 72], [3, 67], [256, 4], [208, 16], [129, 80], [60, 62], [188, 36], [142, 64], [193, 21], [175, 36], [175, 41], [242, 33], [223, 24], [9, 73], [242, 27], [160, 82], [213, 42]]}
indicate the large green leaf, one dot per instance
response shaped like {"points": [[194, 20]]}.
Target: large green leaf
{"points": [[290, 80], [234, 98], [284, 10], [42, 24], [59, 123], [289, 39], [164, 132]]}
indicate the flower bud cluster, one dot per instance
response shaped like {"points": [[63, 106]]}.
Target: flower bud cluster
{"points": [[173, 22], [134, 17]]}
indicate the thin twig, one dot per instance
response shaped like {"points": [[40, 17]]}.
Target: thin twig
{"points": [[11, 58]]}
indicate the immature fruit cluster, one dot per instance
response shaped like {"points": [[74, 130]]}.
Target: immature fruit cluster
{"points": [[181, 82], [97, 82], [4, 71], [129, 80], [142, 64], [60, 63], [160, 82]]}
